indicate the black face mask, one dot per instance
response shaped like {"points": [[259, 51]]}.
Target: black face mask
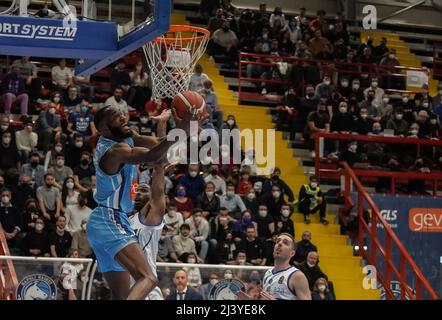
{"points": [[214, 172], [310, 94], [48, 185], [32, 209], [305, 241], [84, 162], [34, 164], [25, 185]]}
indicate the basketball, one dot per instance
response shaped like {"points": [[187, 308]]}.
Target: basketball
{"points": [[188, 102]]}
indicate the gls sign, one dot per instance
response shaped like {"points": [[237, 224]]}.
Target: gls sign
{"points": [[390, 216]]}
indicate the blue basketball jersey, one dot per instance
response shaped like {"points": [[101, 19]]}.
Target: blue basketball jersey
{"points": [[114, 191]]}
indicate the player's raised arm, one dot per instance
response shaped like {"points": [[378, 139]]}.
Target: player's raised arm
{"points": [[151, 142], [153, 212], [299, 284]]}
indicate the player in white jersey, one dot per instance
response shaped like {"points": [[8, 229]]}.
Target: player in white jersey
{"points": [[283, 281]]}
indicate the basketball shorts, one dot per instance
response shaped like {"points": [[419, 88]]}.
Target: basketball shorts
{"points": [[108, 232]]}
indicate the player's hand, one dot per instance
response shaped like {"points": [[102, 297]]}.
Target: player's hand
{"points": [[241, 295], [266, 296], [184, 123], [163, 117]]}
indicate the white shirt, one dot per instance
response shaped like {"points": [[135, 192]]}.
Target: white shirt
{"points": [[61, 76], [277, 283], [196, 81], [74, 215], [122, 105], [220, 184], [173, 223]]}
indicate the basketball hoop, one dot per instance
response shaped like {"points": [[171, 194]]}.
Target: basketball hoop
{"points": [[172, 57]]}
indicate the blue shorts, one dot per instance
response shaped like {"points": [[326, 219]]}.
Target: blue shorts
{"points": [[108, 232]]}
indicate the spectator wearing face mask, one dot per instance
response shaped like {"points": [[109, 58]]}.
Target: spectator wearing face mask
{"points": [[283, 224], [60, 171], [254, 247], [59, 240], [325, 89], [145, 125], [239, 226], [342, 121], [378, 92], [48, 127], [376, 151], [398, 124], [183, 203], [304, 247], [311, 200], [216, 179], [274, 201], [173, 220], [193, 273], [275, 179], [232, 201], [30, 213], [422, 119], [84, 172], [198, 78], [391, 62], [351, 155], [244, 185], [49, 199], [308, 104], [69, 196], [435, 128], [80, 242], [220, 226], [82, 122], [74, 150], [36, 242], [199, 232], [6, 127], [321, 290], [208, 201], [251, 201], [166, 253], [77, 213], [26, 140], [362, 125], [183, 244], [193, 182], [224, 41], [34, 170], [207, 287], [311, 269], [265, 225], [10, 219]]}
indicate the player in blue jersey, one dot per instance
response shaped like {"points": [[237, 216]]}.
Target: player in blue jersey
{"points": [[109, 232]]}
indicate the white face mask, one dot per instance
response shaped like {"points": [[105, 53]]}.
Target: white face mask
{"points": [[79, 144], [374, 84], [230, 194], [386, 100], [263, 213], [405, 100], [343, 110], [52, 110], [276, 194], [353, 148], [60, 163], [4, 127], [399, 116], [162, 238], [414, 132], [241, 261], [193, 174], [230, 122], [327, 82], [171, 213], [356, 86], [440, 92], [425, 104], [433, 121], [344, 84], [391, 56], [58, 149], [251, 196], [209, 194], [6, 140], [285, 213], [5, 199], [228, 276], [197, 219], [257, 187], [144, 120], [311, 265], [213, 282], [84, 226], [39, 227], [313, 185], [225, 154], [56, 99], [191, 260], [322, 287], [70, 185], [364, 116]]}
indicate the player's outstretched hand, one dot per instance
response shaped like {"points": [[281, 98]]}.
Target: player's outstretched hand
{"points": [[184, 123], [163, 117]]}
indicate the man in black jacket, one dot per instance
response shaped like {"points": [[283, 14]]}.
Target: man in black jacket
{"points": [[311, 269], [182, 290], [304, 247], [10, 219]]}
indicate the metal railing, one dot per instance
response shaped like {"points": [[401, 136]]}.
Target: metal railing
{"points": [[369, 230]]}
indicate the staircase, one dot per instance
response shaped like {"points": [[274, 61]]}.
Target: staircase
{"points": [[336, 256], [403, 54]]}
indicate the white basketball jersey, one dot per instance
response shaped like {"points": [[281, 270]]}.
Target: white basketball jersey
{"points": [[277, 283], [148, 239]]}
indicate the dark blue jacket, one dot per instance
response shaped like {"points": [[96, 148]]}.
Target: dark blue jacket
{"points": [[194, 186], [190, 295]]}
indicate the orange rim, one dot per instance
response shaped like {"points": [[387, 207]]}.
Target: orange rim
{"points": [[184, 28]]}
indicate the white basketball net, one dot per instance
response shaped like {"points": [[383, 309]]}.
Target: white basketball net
{"points": [[171, 62]]}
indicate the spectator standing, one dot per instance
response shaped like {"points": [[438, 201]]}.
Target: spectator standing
{"points": [[10, 219], [26, 140], [13, 89]]}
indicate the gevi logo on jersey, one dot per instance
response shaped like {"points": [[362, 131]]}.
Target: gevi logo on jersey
{"points": [[425, 220]]}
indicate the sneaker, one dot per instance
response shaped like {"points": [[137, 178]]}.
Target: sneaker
{"points": [[306, 219], [323, 221]]}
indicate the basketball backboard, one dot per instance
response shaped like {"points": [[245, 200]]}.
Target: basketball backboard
{"points": [[99, 36]]}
